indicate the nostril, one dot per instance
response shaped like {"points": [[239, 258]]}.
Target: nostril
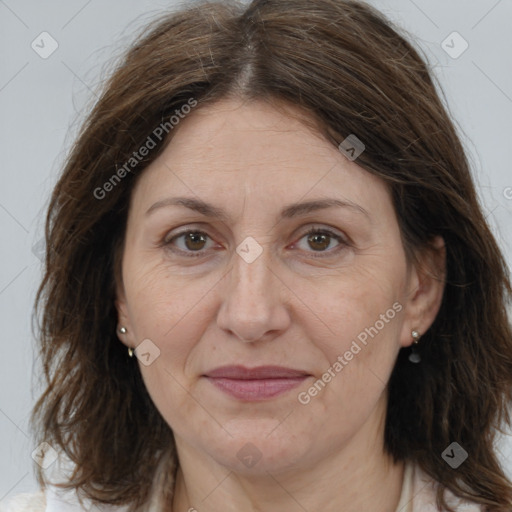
{"points": [[244, 339]]}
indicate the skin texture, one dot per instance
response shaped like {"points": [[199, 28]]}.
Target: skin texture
{"points": [[299, 307]]}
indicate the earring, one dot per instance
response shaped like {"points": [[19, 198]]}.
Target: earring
{"points": [[414, 356], [124, 330]]}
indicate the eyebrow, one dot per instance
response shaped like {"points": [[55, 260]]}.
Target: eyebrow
{"points": [[290, 211]]}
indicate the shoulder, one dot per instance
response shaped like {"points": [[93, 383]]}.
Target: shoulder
{"points": [[35, 502], [424, 490], [53, 501]]}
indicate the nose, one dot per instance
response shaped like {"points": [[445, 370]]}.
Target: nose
{"points": [[253, 306]]}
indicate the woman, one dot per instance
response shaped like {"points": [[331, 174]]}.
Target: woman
{"points": [[269, 283]]}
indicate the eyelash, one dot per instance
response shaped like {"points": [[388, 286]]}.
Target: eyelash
{"points": [[319, 254]]}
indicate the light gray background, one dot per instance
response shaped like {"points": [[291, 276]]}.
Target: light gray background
{"points": [[40, 105]]}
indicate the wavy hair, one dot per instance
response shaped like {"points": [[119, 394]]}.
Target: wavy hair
{"points": [[351, 70]]}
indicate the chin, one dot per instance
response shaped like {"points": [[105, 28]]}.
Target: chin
{"points": [[259, 447]]}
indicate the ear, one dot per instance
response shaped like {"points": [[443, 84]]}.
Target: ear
{"points": [[123, 318], [425, 290]]}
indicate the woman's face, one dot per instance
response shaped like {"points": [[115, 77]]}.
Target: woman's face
{"points": [[265, 346]]}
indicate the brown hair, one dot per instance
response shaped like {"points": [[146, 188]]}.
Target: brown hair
{"points": [[344, 64]]}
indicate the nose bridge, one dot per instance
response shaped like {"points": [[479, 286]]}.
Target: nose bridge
{"points": [[251, 282], [251, 305], [251, 261]]}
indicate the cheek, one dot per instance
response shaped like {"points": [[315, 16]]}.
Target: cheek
{"points": [[351, 303], [358, 360], [161, 301], [173, 313], [358, 336]]}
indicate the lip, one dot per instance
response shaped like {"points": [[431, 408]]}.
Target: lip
{"points": [[259, 383]]}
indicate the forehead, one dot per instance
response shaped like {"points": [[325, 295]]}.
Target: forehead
{"points": [[252, 131], [253, 149]]}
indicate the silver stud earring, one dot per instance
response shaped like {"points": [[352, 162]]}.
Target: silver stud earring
{"points": [[123, 330], [414, 356]]}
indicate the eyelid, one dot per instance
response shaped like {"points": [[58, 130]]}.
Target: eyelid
{"points": [[188, 228], [168, 239], [323, 228]]}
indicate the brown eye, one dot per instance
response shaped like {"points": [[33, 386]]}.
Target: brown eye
{"points": [[319, 241], [322, 241], [195, 243]]}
